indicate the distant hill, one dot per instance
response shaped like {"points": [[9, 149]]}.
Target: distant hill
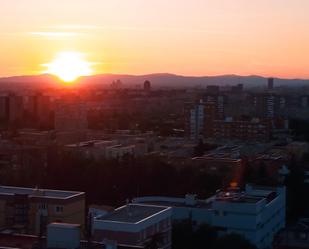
{"points": [[157, 80]]}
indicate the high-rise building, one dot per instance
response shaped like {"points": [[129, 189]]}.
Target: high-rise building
{"points": [[219, 101], [212, 89], [4, 108], [270, 83], [194, 119], [237, 89], [264, 105], [269, 105], [43, 110], [15, 109], [200, 117], [147, 86], [304, 101]]}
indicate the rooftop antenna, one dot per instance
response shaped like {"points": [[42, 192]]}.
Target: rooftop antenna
{"points": [[128, 209]]}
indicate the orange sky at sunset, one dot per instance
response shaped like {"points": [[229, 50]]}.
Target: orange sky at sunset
{"points": [[197, 37]]}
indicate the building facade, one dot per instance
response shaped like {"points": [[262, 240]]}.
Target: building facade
{"points": [[194, 120], [29, 210], [71, 116], [135, 225], [257, 213]]}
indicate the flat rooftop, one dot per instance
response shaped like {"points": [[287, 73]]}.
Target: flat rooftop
{"points": [[92, 143], [63, 225], [133, 213], [36, 192], [254, 195], [198, 204], [239, 199]]}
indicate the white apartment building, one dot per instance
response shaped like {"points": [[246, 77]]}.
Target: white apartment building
{"points": [[135, 225], [257, 213]]}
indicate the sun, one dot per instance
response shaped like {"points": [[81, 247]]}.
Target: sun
{"points": [[69, 66]]}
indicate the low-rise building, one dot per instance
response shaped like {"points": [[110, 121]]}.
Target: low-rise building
{"points": [[135, 225], [29, 210], [257, 213], [63, 235], [59, 236], [95, 149], [224, 161], [118, 151]]}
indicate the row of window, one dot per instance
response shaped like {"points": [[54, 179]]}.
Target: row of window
{"points": [[44, 206]]}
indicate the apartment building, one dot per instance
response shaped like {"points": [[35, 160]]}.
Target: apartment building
{"points": [[135, 225], [194, 119], [257, 213], [29, 210], [247, 130]]}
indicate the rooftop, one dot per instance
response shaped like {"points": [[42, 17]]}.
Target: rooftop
{"points": [[36, 192], [251, 195], [63, 225], [198, 204], [133, 213], [237, 198], [92, 143], [121, 146]]}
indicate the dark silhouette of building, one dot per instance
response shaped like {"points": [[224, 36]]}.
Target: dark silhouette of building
{"points": [[4, 108], [270, 83], [238, 88], [293, 236], [212, 89], [147, 86], [268, 105], [15, 109], [219, 100]]}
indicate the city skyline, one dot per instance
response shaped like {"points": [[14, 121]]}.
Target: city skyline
{"points": [[267, 38]]}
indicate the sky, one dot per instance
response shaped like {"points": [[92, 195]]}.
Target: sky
{"points": [[196, 37]]}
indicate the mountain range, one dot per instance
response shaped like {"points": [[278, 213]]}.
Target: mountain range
{"points": [[157, 80]]}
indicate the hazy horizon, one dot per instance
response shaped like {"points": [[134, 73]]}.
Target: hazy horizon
{"points": [[162, 73]]}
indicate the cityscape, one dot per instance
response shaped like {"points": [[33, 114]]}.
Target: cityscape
{"points": [[100, 151]]}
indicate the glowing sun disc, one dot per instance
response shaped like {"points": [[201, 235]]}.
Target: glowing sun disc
{"points": [[69, 66]]}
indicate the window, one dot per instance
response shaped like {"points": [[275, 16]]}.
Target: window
{"points": [[220, 213], [59, 209], [42, 206]]}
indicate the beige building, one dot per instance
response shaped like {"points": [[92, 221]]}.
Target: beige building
{"points": [[29, 210]]}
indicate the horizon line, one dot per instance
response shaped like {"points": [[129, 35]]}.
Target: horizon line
{"points": [[166, 73]]}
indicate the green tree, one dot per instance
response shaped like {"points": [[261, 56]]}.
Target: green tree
{"points": [[199, 148], [182, 235], [204, 237], [296, 203], [233, 241]]}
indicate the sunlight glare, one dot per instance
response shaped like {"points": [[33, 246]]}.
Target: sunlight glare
{"points": [[69, 66]]}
